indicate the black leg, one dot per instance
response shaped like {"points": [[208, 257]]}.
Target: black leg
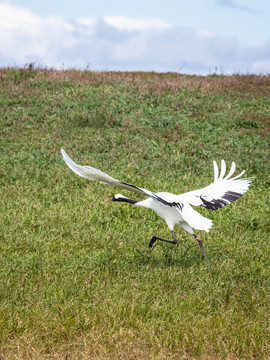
{"points": [[201, 246], [155, 238]]}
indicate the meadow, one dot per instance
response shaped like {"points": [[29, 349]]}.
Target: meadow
{"points": [[77, 280]]}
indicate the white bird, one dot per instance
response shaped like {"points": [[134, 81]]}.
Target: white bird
{"points": [[176, 209]]}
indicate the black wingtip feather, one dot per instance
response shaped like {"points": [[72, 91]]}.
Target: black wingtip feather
{"points": [[231, 196], [226, 199]]}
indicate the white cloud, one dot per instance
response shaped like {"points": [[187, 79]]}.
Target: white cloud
{"points": [[119, 43], [126, 24], [13, 17]]}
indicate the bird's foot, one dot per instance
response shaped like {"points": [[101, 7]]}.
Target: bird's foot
{"points": [[199, 241], [152, 241], [155, 238]]}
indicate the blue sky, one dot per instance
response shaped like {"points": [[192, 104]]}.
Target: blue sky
{"points": [[183, 36]]}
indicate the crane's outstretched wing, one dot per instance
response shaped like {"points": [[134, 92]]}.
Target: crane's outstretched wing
{"points": [[91, 173], [221, 192]]}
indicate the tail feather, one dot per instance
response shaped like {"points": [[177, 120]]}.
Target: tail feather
{"points": [[195, 219]]}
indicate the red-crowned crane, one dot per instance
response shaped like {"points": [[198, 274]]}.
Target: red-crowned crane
{"points": [[176, 209]]}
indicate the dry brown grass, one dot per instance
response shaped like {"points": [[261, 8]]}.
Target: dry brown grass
{"points": [[161, 82], [88, 347]]}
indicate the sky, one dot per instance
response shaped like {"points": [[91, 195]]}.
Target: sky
{"points": [[193, 37]]}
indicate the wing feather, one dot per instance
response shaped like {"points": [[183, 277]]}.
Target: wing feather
{"points": [[231, 172], [221, 192], [223, 169], [215, 170], [238, 176], [90, 173]]}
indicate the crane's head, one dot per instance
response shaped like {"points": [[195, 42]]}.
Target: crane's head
{"points": [[116, 197]]}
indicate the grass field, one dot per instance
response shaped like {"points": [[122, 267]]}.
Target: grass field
{"points": [[77, 280]]}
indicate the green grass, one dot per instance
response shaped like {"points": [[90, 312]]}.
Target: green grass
{"points": [[77, 280]]}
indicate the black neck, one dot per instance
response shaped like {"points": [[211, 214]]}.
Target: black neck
{"points": [[130, 201]]}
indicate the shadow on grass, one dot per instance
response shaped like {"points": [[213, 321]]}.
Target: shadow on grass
{"points": [[166, 256]]}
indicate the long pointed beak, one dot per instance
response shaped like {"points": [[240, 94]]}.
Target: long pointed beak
{"points": [[108, 200], [201, 246]]}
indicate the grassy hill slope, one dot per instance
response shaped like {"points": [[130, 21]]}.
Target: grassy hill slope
{"points": [[77, 280]]}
